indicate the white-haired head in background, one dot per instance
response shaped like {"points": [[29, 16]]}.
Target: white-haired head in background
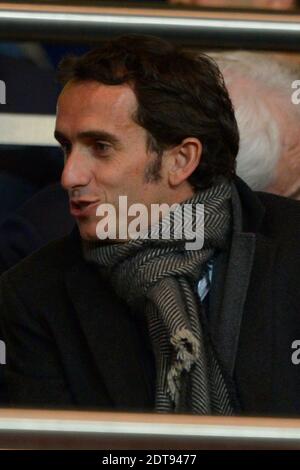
{"points": [[261, 90]]}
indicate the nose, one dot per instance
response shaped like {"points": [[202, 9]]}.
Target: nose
{"points": [[76, 171]]}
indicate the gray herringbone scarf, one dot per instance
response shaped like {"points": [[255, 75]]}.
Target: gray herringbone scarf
{"points": [[159, 278]]}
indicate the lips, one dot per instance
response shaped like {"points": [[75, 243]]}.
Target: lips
{"points": [[83, 208]]}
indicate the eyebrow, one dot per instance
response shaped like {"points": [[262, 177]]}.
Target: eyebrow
{"points": [[95, 135]]}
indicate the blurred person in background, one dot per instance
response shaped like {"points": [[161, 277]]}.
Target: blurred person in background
{"points": [[261, 90], [28, 70], [31, 90], [34, 207]]}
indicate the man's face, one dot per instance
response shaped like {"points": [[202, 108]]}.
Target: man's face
{"points": [[106, 153]]}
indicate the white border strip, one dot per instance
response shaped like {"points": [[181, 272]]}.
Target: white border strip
{"points": [[87, 18], [27, 129], [154, 429]]}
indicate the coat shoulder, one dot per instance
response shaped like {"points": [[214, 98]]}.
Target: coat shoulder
{"points": [[43, 268], [282, 216], [277, 203]]}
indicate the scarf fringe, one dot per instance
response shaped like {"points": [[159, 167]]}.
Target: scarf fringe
{"points": [[183, 340]]}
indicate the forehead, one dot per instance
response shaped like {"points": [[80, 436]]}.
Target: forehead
{"points": [[85, 104]]}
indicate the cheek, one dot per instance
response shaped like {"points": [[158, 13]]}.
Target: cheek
{"points": [[136, 173], [129, 178], [107, 175]]}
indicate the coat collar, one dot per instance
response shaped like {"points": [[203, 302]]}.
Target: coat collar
{"points": [[248, 207]]}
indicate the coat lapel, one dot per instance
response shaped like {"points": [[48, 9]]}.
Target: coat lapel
{"points": [[111, 335], [228, 295], [232, 274]]}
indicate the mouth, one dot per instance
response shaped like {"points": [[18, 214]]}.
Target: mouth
{"points": [[83, 208]]}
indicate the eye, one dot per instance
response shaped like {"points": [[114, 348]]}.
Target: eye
{"points": [[102, 147]]}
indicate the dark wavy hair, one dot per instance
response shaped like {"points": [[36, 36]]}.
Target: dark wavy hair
{"points": [[179, 94]]}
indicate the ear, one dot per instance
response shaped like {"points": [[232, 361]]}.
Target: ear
{"points": [[183, 160]]}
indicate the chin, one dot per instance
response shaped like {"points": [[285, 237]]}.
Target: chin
{"points": [[88, 231]]}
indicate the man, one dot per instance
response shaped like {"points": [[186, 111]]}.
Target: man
{"points": [[136, 324], [268, 119]]}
